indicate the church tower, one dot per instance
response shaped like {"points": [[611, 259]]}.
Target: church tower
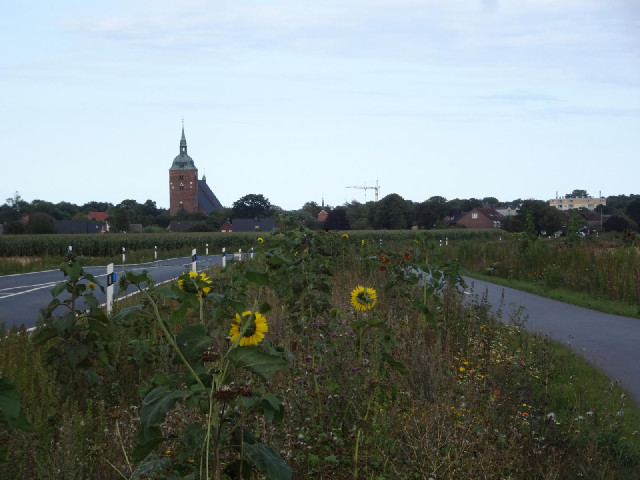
{"points": [[183, 181]]}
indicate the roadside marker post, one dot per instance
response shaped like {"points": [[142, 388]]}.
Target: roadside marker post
{"points": [[206, 250], [194, 260], [123, 255], [155, 252], [69, 250], [251, 253], [111, 279], [224, 257]]}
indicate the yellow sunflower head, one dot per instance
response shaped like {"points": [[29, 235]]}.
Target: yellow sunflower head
{"points": [[345, 236], [250, 327], [193, 282], [363, 299], [363, 242], [91, 285], [260, 240]]}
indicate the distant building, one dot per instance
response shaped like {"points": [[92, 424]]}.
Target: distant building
{"points": [[570, 203], [185, 190], [322, 216], [226, 227], [253, 224], [79, 226], [484, 217]]}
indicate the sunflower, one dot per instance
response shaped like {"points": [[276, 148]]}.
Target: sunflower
{"points": [[260, 240], [363, 299], [252, 326], [194, 282], [91, 285], [345, 236]]}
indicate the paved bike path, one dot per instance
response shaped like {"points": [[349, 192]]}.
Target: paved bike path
{"points": [[610, 342]]}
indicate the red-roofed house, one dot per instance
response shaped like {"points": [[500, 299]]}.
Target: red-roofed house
{"points": [[98, 216]]}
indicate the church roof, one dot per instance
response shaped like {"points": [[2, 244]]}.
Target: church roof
{"points": [[183, 161], [206, 198]]}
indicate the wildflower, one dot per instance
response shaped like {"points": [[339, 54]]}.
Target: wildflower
{"points": [[384, 258], [91, 285], [253, 332], [363, 298], [260, 240], [362, 243], [345, 236]]}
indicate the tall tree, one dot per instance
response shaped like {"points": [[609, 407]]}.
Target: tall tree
{"points": [[252, 206], [391, 213], [633, 210], [40, 222], [337, 220], [358, 215], [429, 214], [577, 194]]}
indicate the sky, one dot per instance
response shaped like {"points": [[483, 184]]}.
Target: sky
{"points": [[297, 100]]}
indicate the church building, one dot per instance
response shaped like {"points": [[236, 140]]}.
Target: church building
{"points": [[185, 190]]}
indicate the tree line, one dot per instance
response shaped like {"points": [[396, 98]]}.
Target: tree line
{"points": [[392, 212]]}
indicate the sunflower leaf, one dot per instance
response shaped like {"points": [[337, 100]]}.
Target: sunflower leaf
{"points": [[193, 340], [256, 361]]}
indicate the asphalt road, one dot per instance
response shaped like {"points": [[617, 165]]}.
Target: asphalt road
{"points": [[610, 342], [23, 295]]}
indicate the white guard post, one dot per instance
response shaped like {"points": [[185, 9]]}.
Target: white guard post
{"points": [[69, 250], [155, 252], [111, 279], [123, 255], [446, 241], [206, 250], [224, 257], [194, 260], [251, 253]]}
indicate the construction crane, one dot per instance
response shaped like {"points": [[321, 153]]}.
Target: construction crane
{"points": [[365, 188]]}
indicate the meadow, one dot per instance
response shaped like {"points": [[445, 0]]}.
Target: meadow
{"points": [[328, 356]]}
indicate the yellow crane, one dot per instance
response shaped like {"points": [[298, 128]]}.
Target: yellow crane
{"points": [[365, 188]]}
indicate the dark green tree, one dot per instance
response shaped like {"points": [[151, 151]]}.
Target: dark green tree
{"points": [[577, 194], [616, 223], [633, 210], [40, 222], [491, 201], [337, 220], [312, 208], [120, 219], [358, 215], [391, 213], [252, 206], [94, 206], [553, 220], [429, 214], [67, 210], [218, 216]]}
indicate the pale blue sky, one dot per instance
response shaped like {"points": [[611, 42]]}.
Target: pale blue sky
{"points": [[296, 100]]}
